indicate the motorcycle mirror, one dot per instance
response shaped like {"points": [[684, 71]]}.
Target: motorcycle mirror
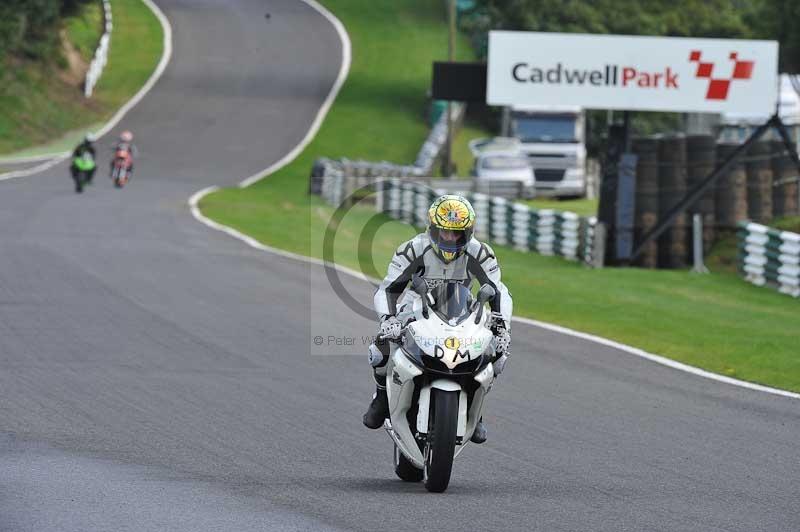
{"points": [[486, 293], [419, 286]]}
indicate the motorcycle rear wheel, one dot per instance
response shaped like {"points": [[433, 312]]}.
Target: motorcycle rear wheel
{"points": [[404, 469], [442, 434]]}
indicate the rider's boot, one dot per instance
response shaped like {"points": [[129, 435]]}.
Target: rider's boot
{"points": [[479, 436], [378, 409]]}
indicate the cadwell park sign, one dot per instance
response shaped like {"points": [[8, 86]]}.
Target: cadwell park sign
{"points": [[632, 73]]}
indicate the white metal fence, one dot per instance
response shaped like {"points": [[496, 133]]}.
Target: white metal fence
{"points": [[498, 220], [101, 54], [769, 257]]}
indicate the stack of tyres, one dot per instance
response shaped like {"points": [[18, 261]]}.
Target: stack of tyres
{"points": [[646, 217], [759, 182], [701, 159], [784, 175], [731, 191], [672, 179]]}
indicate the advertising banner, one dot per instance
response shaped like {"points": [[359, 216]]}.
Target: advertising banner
{"points": [[632, 73]]}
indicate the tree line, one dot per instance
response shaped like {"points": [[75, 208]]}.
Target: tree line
{"points": [[30, 28], [745, 19]]}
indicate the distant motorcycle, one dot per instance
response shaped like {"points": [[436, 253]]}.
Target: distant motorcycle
{"points": [[121, 167], [83, 167], [437, 379]]}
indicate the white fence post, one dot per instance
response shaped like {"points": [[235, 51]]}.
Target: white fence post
{"points": [[101, 54]]}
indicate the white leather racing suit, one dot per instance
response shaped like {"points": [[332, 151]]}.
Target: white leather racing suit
{"points": [[417, 256]]}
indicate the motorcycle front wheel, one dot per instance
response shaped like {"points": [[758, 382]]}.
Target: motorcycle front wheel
{"points": [[442, 432], [404, 469], [79, 182]]}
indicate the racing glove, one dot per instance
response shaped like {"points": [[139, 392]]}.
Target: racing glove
{"points": [[390, 327], [496, 320], [502, 340]]}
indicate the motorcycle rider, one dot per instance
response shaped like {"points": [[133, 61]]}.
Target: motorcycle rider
{"points": [[125, 143], [446, 251], [86, 146]]}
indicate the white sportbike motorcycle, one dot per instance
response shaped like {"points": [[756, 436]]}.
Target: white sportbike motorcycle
{"points": [[437, 378]]}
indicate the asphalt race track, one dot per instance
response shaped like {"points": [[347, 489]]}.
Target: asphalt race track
{"points": [[157, 375]]}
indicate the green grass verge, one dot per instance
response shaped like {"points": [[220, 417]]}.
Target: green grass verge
{"points": [[716, 321], [37, 105], [462, 156], [583, 206], [85, 28]]}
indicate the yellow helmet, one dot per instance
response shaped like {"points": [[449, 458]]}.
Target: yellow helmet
{"points": [[451, 222]]}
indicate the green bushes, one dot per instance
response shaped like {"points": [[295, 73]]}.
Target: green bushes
{"points": [[30, 27], [40, 101]]}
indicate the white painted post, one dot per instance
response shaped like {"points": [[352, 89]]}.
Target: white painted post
{"points": [[101, 54]]}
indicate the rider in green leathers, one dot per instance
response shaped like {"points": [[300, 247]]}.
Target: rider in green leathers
{"points": [[84, 162]]}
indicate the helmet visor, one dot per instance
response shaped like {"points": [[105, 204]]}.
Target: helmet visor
{"points": [[449, 240]]}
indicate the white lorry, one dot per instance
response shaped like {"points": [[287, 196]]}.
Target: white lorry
{"points": [[554, 140]]}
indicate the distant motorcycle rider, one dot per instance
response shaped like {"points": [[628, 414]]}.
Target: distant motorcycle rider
{"points": [[125, 144], [446, 252], [85, 147]]}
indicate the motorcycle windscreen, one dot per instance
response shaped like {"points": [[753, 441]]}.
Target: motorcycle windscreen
{"points": [[451, 301]]}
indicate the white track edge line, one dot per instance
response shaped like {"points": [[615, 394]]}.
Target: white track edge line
{"points": [[166, 55], [655, 358], [252, 242], [344, 70], [195, 199], [31, 158]]}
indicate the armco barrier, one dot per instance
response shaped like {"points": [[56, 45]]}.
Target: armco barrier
{"points": [[499, 220], [769, 257], [423, 165], [338, 187], [101, 54]]}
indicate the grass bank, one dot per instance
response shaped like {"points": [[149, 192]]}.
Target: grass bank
{"points": [[716, 321], [42, 108]]}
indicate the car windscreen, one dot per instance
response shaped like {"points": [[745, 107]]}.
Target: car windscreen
{"points": [[535, 128], [451, 301], [500, 162]]}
